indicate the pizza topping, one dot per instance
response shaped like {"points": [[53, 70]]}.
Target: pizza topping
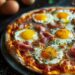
{"points": [[21, 26], [68, 66], [29, 60], [40, 11], [25, 46], [62, 15], [47, 69], [64, 34], [40, 27], [73, 21], [26, 35], [72, 51], [43, 40], [46, 35], [43, 18], [49, 53], [38, 43], [57, 25]]}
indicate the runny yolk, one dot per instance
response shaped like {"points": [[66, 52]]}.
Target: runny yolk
{"points": [[49, 53], [63, 33], [62, 15], [41, 17], [27, 34]]}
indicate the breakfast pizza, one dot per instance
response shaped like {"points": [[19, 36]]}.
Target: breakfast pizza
{"points": [[43, 40]]}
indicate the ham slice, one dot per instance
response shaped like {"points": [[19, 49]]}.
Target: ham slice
{"points": [[39, 27], [23, 45], [72, 50]]}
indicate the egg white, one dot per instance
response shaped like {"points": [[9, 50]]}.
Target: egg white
{"points": [[18, 37]]}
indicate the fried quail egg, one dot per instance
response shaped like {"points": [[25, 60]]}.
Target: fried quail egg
{"points": [[43, 18], [26, 35], [63, 15], [48, 56], [63, 36]]}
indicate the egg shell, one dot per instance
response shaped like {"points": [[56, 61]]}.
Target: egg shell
{"points": [[10, 7], [28, 2], [2, 2]]}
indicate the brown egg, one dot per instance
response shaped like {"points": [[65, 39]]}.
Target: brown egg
{"points": [[10, 7], [2, 2], [28, 2]]}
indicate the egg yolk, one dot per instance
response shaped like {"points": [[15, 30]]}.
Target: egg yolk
{"points": [[49, 53], [62, 15], [28, 34], [41, 17], [63, 33]]}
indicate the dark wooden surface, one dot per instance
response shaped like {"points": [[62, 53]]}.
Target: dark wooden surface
{"points": [[5, 68]]}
